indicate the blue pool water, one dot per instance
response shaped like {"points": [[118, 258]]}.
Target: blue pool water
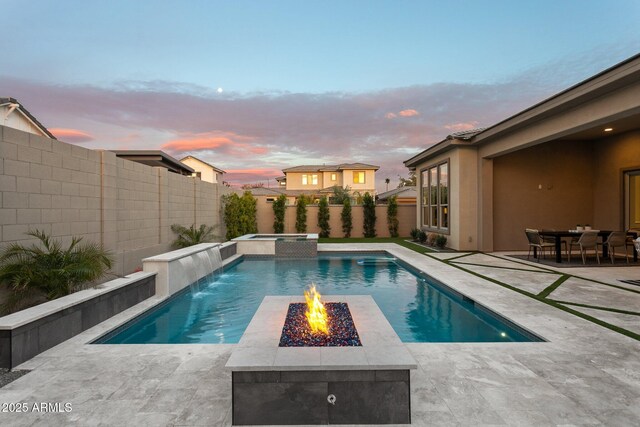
{"points": [[219, 309]]}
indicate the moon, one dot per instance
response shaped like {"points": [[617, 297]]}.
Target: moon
{"points": [[219, 90]]}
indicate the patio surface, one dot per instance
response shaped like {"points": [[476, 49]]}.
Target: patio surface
{"points": [[587, 374]]}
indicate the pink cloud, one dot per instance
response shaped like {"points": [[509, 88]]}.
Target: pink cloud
{"points": [[71, 135], [275, 130], [408, 113], [457, 127], [226, 143]]}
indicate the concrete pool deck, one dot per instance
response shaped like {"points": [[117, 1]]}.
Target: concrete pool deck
{"points": [[586, 374]]}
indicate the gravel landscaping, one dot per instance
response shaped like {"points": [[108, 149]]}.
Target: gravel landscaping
{"points": [[7, 376]]}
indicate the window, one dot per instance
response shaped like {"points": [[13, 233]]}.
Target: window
{"points": [[334, 177], [435, 196], [358, 177], [310, 179]]}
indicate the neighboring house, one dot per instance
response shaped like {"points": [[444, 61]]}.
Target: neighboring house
{"points": [[14, 115], [571, 159], [155, 158], [320, 180], [404, 195], [204, 170]]}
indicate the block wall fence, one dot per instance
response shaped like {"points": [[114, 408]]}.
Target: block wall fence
{"points": [[406, 219], [67, 190]]}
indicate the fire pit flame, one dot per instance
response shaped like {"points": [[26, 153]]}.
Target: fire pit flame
{"points": [[316, 313]]}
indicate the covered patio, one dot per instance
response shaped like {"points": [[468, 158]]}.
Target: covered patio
{"points": [[572, 159]]}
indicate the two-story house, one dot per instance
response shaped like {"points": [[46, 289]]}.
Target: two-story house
{"points": [[359, 178], [204, 170]]}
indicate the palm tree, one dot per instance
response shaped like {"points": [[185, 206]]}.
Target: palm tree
{"points": [[387, 181], [48, 269], [192, 235]]}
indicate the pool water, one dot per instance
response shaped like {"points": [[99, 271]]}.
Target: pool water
{"points": [[218, 309]]}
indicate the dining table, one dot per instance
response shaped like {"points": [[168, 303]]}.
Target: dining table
{"points": [[559, 234]]}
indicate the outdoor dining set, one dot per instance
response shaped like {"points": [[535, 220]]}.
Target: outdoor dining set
{"points": [[583, 240]]}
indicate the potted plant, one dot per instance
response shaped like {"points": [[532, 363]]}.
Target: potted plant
{"points": [[579, 227], [587, 227]]}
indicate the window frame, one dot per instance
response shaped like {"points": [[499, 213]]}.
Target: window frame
{"points": [[427, 211], [364, 177], [309, 179]]}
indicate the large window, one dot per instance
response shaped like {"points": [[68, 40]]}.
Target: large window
{"points": [[310, 179], [358, 177], [435, 196]]}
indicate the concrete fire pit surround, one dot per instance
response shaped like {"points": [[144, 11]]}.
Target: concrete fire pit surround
{"points": [[291, 385]]}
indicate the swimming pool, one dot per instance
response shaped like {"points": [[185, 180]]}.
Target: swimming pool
{"points": [[219, 308]]}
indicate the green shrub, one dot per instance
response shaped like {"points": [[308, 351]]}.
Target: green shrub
{"points": [[392, 216], [345, 217], [415, 234], [301, 215], [240, 214], [369, 207], [441, 240], [323, 217], [47, 269], [192, 235], [422, 236], [279, 209]]}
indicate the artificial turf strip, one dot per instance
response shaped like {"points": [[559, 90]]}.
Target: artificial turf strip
{"points": [[594, 320], [517, 261], [553, 304], [456, 257], [505, 268], [397, 240], [552, 287], [596, 307]]}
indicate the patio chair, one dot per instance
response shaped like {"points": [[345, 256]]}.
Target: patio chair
{"points": [[615, 240], [588, 240], [535, 241]]}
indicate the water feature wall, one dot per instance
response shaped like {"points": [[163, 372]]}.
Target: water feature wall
{"points": [[182, 267], [278, 245]]}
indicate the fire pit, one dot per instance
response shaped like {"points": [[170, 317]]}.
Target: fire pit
{"points": [[360, 377], [313, 324]]}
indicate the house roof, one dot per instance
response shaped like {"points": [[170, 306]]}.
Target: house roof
{"points": [[330, 168], [623, 73], [154, 158], [203, 162], [281, 178], [19, 107], [408, 191]]}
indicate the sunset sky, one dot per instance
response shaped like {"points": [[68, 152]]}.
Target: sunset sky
{"points": [[253, 87]]}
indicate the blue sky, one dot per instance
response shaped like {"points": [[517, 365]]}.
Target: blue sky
{"points": [[302, 82]]}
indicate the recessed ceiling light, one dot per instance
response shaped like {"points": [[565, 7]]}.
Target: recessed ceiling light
{"points": [[608, 129]]}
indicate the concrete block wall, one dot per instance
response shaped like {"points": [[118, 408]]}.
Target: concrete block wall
{"points": [[67, 190]]}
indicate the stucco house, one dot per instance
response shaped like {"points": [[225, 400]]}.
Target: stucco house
{"points": [[203, 170], [14, 115], [321, 179], [404, 195], [573, 158]]}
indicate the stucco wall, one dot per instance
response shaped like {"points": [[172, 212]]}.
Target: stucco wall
{"points": [[613, 156], [462, 197], [406, 218], [67, 190], [565, 171]]}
